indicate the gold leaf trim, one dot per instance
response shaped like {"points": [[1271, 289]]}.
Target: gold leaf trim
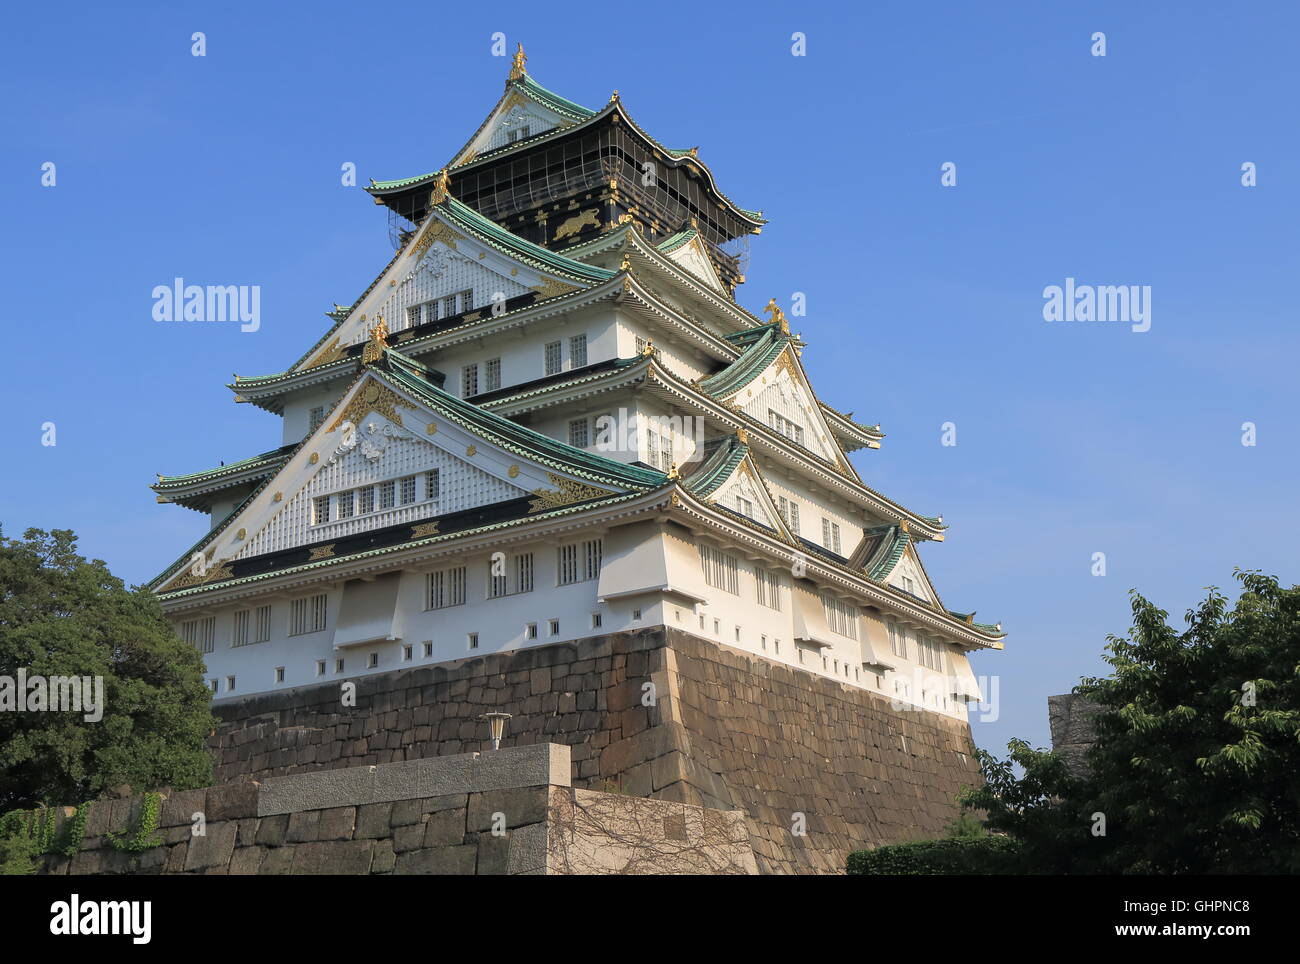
{"points": [[424, 529], [550, 288], [322, 552], [330, 353], [568, 492], [374, 397]]}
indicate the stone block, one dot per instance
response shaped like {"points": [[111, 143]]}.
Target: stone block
{"points": [[445, 861], [214, 848], [334, 857]]}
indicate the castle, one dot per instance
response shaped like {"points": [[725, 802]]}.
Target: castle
{"points": [[549, 421]]}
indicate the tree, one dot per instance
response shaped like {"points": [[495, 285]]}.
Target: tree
{"points": [[1197, 749], [61, 615]]}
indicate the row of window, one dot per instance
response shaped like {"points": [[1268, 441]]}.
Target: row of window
{"points": [[926, 650], [469, 377], [791, 430], [251, 626], [553, 354], [510, 575], [376, 498], [446, 307]]}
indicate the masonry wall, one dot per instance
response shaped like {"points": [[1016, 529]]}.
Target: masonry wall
{"points": [[817, 767], [504, 812]]}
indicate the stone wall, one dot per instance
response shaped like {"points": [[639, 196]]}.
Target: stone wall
{"points": [[510, 811], [1070, 719], [818, 767]]}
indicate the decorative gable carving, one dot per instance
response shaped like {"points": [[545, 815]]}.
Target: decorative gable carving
{"points": [[779, 390]]}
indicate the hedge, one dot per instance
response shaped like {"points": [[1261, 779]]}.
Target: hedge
{"points": [[954, 855]]}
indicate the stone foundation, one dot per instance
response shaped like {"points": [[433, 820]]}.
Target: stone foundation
{"points": [[510, 811], [819, 768]]}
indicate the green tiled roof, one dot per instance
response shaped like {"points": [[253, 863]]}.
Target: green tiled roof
{"points": [[466, 217], [748, 366], [269, 460], [892, 546], [548, 98], [717, 468], [671, 244]]}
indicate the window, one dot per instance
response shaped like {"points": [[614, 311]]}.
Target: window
{"points": [[492, 374], [366, 500], [579, 561], [230, 684], [554, 627], [200, 633], [406, 652], [213, 685], [769, 588], [473, 640], [737, 634], [432, 484], [717, 627], [347, 503], [320, 667], [262, 624], [931, 653], [841, 616], [579, 433], [897, 641], [387, 491], [636, 615], [720, 569], [516, 576], [744, 506], [240, 636], [530, 631], [407, 489], [908, 585], [374, 661], [446, 588], [279, 674], [320, 509], [578, 351], [789, 512], [553, 358], [595, 620], [640, 345], [469, 380], [427, 648], [307, 615], [414, 315], [831, 535], [763, 642], [786, 427], [338, 665], [317, 417]]}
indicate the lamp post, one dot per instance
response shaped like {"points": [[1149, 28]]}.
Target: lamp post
{"points": [[498, 723]]}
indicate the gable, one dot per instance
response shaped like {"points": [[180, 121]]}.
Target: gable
{"points": [[910, 576], [376, 435], [693, 258], [745, 485], [781, 399], [516, 115]]}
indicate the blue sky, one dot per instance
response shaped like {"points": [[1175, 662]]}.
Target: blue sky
{"points": [[924, 302]]}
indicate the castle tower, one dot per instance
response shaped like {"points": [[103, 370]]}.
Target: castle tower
{"points": [[547, 420]]}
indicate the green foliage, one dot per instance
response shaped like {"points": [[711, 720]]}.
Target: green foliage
{"points": [[18, 855], [1196, 754], [141, 837], [969, 854], [61, 615], [73, 831]]}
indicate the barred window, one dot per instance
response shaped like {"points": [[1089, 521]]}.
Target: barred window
{"points": [[640, 344], [492, 374], [932, 653], [347, 502], [387, 491], [786, 427], [446, 588], [414, 315], [579, 561], [307, 615], [200, 633], [524, 572], [366, 500], [554, 360], [240, 635], [790, 512], [744, 506], [579, 433], [262, 624], [720, 569], [841, 616], [320, 509], [831, 535], [432, 484], [578, 351], [769, 588], [897, 641], [317, 417], [469, 380], [408, 489]]}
